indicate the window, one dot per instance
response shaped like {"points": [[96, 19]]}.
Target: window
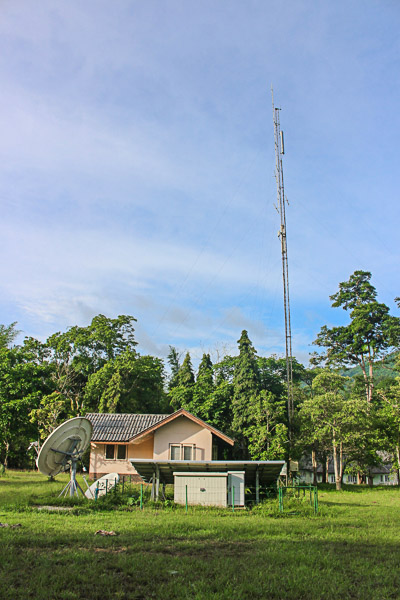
{"points": [[114, 451], [175, 452], [110, 450], [121, 452], [187, 452], [332, 478], [182, 451], [351, 478]]}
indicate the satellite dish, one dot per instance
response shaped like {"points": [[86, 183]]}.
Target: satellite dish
{"points": [[102, 486], [62, 450]]}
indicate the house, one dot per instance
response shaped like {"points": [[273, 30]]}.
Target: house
{"points": [[119, 438], [380, 475]]}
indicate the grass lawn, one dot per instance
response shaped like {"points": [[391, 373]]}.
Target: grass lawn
{"points": [[350, 550]]}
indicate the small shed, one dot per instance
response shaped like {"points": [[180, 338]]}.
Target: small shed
{"points": [[207, 489]]}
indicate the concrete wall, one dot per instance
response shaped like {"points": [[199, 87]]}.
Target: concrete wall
{"points": [[99, 465], [182, 431]]}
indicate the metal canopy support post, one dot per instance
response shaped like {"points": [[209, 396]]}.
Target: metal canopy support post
{"points": [[153, 487], [157, 482], [257, 487]]}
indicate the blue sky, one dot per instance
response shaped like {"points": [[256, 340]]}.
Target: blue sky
{"points": [[137, 165]]}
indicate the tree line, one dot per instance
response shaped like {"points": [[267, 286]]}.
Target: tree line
{"points": [[353, 421]]}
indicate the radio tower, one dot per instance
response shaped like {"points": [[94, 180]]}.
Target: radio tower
{"points": [[281, 203]]}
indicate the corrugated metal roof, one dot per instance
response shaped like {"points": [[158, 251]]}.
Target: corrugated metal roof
{"points": [[268, 470], [120, 427]]}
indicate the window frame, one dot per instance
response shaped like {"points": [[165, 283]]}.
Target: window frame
{"points": [[182, 448], [116, 451], [125, 447], [108, 450]]}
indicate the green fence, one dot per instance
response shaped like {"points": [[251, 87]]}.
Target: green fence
{"points": [[296, 492]]}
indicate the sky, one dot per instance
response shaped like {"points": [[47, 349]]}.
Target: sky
{"points": [[137, 165]]}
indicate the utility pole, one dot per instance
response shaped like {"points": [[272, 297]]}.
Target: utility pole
{"points": [[281, 208]]}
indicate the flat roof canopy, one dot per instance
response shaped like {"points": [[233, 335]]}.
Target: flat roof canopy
{"points": [[268, 470]]}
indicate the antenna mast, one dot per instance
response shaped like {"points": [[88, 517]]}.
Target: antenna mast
{"points": [[281, 208]]}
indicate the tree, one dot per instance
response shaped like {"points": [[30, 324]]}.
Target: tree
{"points": [[202, 389], [326, 413], [371, 334], [173, 359], [24, 380], [246, 384], [267, 432], [53, 410], [181, 396], [82, 351], [8, 334], [130, 383]]}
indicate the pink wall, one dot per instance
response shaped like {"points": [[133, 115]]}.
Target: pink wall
{"points": [[182, 431], [99, 465]]}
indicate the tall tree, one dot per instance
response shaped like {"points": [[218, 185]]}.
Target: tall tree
{"points": [[371, 334], [173, 359], [203, 388], [181, 396], [24, 380], [82, 351], [130, 383], [8, 333], [338, 421], [246, 383]]}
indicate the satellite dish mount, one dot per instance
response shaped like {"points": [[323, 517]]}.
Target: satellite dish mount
{"points": [[69, 460]]}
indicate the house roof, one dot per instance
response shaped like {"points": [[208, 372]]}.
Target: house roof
{"points": [[129, 427], [120, 427], [184, 413]]}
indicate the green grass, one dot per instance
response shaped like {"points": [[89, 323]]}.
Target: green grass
{"points": [[351, 550]]}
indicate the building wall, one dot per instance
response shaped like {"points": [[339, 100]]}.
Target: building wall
{"points": [[182, 431], [208, 489], [307, 478], [100, 465]]}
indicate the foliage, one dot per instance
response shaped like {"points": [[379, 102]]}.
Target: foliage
{"points": [[53, 409], [130, 383], [82, 351], [267, 433], [371, 334], [8, 333], [246, 384], [173, 359], [24, 379], [181, 395]]}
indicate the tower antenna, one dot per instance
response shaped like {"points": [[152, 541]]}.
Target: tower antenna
{"points": [[281, 208]]}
